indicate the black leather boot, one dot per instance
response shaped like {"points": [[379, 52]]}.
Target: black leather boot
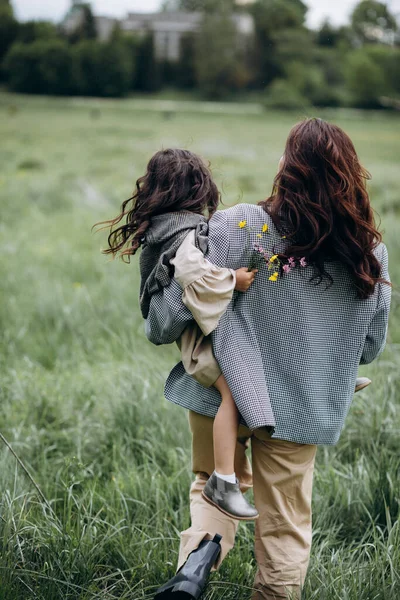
{"points": [[191, 579]]}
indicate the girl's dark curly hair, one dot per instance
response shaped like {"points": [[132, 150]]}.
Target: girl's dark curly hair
{"points": [[320, 201], [175, 180]]}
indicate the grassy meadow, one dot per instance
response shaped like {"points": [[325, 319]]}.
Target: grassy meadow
{"points": [[82, 390]]}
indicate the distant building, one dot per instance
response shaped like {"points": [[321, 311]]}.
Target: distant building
{"points": [[167, 27], [105, 26]]}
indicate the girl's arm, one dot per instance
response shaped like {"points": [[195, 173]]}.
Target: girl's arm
{"points": [[207, 289]]}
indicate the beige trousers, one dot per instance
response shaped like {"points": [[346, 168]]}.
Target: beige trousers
{"points": [[282, 478]]}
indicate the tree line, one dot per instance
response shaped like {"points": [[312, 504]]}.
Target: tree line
{"points": [[283, 62]]}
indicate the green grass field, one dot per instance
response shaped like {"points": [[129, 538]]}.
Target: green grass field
{"points": [[82, 389]]}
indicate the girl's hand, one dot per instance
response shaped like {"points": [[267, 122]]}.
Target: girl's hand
{"points": [[244, 279]]}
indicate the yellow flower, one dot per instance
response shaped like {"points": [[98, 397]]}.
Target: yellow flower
{"points": [[242, 224], [274, 276], [273, 258], [259, 235], [265, 228], [283, 237]]}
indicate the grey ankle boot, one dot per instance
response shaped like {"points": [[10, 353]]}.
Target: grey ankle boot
{"points": [[191, 580], [228, 498]]}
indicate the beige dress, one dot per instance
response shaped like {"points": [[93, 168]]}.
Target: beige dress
{"points": [[207, 291]]}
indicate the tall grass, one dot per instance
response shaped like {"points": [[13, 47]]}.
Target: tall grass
{"points": [[82, 390]]}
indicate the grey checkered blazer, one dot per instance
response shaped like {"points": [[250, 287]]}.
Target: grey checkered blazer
{"points": [[298, 343]]}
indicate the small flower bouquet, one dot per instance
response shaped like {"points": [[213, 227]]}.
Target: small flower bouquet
{"points": [[276, 265]]}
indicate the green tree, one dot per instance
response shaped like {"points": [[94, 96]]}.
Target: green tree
{"points": [[8, 27], [387, 60], [30, 31], [365, 80], [186, 68], [101, 69], [219, 59], [274, 15], [373, 22], [328, 35], [393, 70], [55, 67], [277, 23], [22, 68], [148, 71], [42, 67], [86, 30], [130, 44], [293, 44], [311, 83], [283, 95], [329, 60]]}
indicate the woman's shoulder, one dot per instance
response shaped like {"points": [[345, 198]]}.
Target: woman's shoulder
{"points": [[252, 214], [381, 251], [382, 255], [245, 211]]}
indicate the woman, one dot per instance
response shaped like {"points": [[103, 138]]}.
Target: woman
{"points": [[302, 335]]}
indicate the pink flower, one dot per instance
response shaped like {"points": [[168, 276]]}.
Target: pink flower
{"points": [[303, 262], [292, 262], [286, 268]]}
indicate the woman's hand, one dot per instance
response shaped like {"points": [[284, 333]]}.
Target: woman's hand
{"points": [[244, 279]]}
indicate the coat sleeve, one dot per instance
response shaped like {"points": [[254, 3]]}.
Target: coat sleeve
{"points": [[377, 330], [207, 289], [168, 316]]}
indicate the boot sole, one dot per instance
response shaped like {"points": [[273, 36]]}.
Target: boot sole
{"points": [[207, 499], [171, 595], [362, 386], [185, 590]]}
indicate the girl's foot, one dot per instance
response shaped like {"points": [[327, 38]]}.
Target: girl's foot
{"points": [[361, 383], [228, 498]]}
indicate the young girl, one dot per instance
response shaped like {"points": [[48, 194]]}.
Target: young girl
{"points": [[166, 218]]}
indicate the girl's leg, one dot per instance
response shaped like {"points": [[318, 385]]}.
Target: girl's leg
{"points": [[222, 488], [225, 430]]}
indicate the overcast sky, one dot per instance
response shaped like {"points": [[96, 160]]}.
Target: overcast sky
{"points": [[336, 10]]}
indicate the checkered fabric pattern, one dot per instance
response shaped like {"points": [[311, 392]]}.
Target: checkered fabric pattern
{"points": [[162, 241], [300, 341]]}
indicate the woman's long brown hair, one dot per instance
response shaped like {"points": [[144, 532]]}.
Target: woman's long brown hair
{"points": [[320, 202], [175, 180]]}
